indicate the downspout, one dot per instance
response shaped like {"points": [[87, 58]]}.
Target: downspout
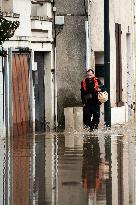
{"points": [[55, 114], [55, 81], [87, 66], [89, 51], [107, 105], [55, 92], [87, 28], [134, 20]]}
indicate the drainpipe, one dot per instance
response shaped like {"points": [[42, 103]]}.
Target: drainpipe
{"points": [[134, 17], [88, 34], [55, 91], [87, 45], [55, 81], [107, 105]]}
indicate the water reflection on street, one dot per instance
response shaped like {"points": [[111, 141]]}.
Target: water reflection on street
{"points": [[69, 168]]}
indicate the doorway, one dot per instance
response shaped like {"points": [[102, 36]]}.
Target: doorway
{"points": [[39, 92]]}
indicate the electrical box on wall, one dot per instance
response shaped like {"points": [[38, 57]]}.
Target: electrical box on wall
{"points": [[34, 67], [59, 20], [54, 9]]}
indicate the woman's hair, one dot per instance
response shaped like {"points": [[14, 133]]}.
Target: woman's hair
{"points": [[90, 70]]}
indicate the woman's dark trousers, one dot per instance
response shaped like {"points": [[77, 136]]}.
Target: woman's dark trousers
{"points": [[91, 115]]}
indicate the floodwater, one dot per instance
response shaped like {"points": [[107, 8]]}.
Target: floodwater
{"points": [[86, 168]]}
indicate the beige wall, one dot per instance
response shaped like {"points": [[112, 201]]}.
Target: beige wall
{"points": [[121, 12], [97, 24]]}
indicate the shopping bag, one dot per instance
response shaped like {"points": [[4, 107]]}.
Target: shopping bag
{"points": [[103, 96]]}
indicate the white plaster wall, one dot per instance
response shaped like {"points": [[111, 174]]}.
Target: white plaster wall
{"points": [[42, 26], [15, 44], [1, 4], [118, 115], [44, 10], [97, 24], [120, 12], [23, 7], [49, 89], [41, 46], [37, 41], [134, 58], [1, 101], [34, 10], [23, 35]]}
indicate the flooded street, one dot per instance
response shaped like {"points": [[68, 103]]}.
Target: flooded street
{"points": [[69, 168]]}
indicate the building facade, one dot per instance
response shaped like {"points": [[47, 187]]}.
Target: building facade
{"points": [[122, 54], [70, 53], [90, 53], [31, 51], [57, 41]]}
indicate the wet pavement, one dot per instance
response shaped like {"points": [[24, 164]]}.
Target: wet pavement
{"points": [[96, 168]]}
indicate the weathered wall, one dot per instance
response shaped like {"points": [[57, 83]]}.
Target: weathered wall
{"points": [[70, 49], [121, 12]]}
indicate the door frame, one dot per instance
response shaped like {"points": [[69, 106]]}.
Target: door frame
{"points": [[9, 94]]}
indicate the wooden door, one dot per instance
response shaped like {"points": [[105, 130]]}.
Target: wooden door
{"points": [[20, 138], [20, 92]]}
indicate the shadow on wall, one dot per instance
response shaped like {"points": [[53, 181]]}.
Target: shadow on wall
{"points": [[66, 98]]}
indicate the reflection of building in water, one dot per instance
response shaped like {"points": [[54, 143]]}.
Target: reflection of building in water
{"points": [[120, 169], [123, 170], [114, 172], [30, 171], [39, 181], [45, 170], [125, 177], [70, 151], [132, 169], [51, 170], [69, 169], [73, 141], [2, 169], [19, 168]]}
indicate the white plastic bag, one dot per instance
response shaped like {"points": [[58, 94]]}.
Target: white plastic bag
{"points": [[103, 96]]}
